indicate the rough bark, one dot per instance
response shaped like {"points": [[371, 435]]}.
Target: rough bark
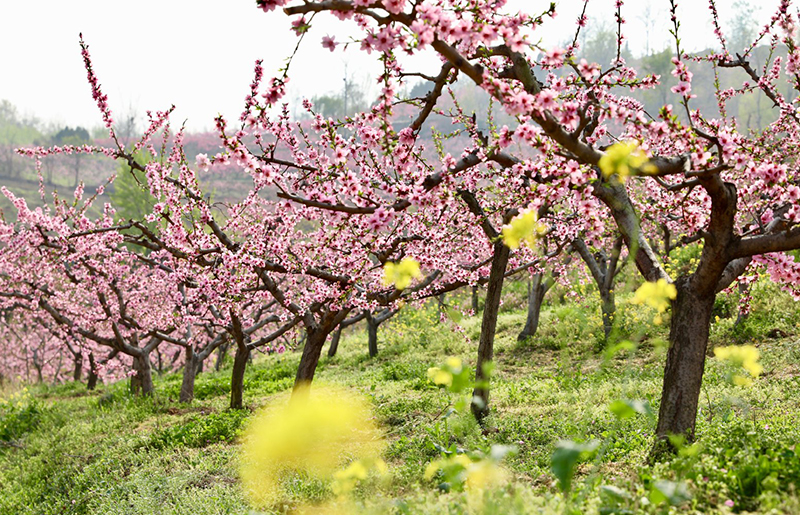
{"points": [[237, 376], [142, 380], [222, 351], [190, 369], [372, 335], [77, 371], [315, 339], [537, 289], [683, 372], [494, 289], [608, 307], [91, 383], [603, 269], [337, 334]]}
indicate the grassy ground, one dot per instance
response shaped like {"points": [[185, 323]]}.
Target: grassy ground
{"points": [[67, 451]]}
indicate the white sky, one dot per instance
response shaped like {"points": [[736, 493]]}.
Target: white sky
{"points": [[199, 54]]}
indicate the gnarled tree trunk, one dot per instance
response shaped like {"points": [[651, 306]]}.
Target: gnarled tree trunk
{"points": [[537, 289], [683, 372], [190, 369], [91, 383], [77, 371], [372, 335], [142, 380], [608, 307], [240, 360], [315, 339], [334, 346], [494, 290], [222, 351]]}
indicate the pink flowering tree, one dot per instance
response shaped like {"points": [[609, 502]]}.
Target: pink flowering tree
{"points": [[744, 185], [353, 198]]}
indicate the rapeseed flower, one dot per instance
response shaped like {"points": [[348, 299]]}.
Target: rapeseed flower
{"points": [[401, 274], [314, 435], [744, 356], [622, 158], [523, 228]]}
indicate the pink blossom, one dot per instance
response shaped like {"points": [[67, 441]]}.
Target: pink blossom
{"points": [[683, 88], [329, 43], [203, 162]]}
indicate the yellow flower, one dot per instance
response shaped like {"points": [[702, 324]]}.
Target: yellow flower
{"points": [[484, 474], [431, 470], [314, 435], [740, 380], [453, 363], [440, 377], [401, 274], [656, 294], [620, 158], [523, 228], [477, 475], [745, 356], [345, 480]]}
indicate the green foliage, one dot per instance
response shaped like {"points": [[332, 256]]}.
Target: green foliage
{"points": [[754, 465], [112, 453], [18, 417], [201, 430], [566, 457], [70, 136], [683, 259]]}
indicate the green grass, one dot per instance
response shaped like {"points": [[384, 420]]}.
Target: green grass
{"points": [[67, 451]]}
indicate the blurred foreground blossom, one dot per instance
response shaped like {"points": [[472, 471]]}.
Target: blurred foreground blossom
{"points": [[314, 435]]}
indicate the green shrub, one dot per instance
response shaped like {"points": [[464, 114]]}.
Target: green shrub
{"points": [[18, 417]]}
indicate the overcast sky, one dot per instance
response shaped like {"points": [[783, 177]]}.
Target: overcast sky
{"points": [[199, 54]]}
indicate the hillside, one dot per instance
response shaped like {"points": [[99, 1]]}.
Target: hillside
{"points": [[64, 450]]}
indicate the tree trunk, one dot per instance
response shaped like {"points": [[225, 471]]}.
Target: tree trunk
{"points": [[190, 369], [240, 360], [337, 334], [315, 339], [475, 300], [222, 351], [78, 370], [92, 381], [537, 289], [142, 381], [494, 290], [683, 373], [608, 308], [372, 335]]}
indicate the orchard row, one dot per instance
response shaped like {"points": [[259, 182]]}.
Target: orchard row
{"points": [[349, 219]]}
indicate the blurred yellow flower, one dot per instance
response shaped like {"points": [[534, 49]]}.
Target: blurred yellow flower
{"points": [[315, 434], [656, 294], [440, 377], [621, 158], [744, 356], [523, 228], [401, 274], [453, 362], [475, 475]]}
